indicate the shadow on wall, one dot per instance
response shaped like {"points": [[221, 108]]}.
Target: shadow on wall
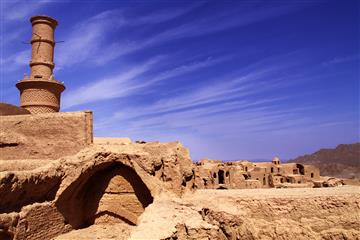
{"points": [[32, 190], [5, 235], [301, 169], [108, 193]]}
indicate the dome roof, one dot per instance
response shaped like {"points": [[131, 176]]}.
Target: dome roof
{"points": [[275, 159]]}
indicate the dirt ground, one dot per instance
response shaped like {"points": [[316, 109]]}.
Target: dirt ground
{"points": [[304, 213]]}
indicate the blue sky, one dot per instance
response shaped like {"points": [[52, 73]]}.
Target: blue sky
{"points": [[229, 79]]}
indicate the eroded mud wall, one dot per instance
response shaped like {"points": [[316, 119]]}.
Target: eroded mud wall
{"points": [[110, 193], [44, 136]]}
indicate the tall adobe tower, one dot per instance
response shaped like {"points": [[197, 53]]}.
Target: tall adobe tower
{"points": [[40, 92]]}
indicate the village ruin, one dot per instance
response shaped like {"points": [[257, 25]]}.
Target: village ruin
{"points": [[245, 174], [55, 176]]}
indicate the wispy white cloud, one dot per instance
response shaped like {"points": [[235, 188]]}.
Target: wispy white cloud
{"points": [[15, 61], [224, 120], [12, 12], [186, 68], [165, 15], [220, 22], [243, 123], [126, 83], [13, 35], [256, 79], [19, 10], [89, 39], [107, 88], [195, 108], [243, 105], [338, 60]]}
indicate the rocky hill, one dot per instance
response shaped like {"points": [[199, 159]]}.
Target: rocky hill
{"points": [[342, 161]]}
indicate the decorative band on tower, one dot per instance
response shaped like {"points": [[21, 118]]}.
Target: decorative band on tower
{"points": [[40, 92]]}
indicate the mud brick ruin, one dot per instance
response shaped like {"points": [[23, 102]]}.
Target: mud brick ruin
{"points": [[56, 177], [244, 174]]}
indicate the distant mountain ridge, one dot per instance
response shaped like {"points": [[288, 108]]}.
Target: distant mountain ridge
{"points": [[342, 161]]}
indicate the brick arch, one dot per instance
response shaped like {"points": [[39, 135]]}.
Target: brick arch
{"points": [[109, 193]]}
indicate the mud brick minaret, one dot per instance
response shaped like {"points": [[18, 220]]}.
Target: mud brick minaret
{"points": [[40, 92]]}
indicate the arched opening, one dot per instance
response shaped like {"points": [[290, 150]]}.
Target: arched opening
{"points": [[109, 193], [214, 175], [264, 181], [205, 182], [246, 176], [272, 170], [312, 175], [221, 176], [301, 169], [246, 169]]}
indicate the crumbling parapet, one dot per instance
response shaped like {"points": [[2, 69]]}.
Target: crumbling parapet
{"points": [[45, 136]]}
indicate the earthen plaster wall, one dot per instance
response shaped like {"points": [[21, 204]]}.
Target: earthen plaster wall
{"points": [[44, 136], [312, 172], [111, 183]]}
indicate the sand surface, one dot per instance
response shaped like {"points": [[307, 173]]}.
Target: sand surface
{"points": [[275, 192]]}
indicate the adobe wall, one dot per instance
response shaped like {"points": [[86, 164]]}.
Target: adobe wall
{"points": [[102, 184], [44, 136], [312, 172]]}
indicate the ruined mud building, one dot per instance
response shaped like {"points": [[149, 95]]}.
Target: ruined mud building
{"points": [[244, 174], [55, 176]]}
